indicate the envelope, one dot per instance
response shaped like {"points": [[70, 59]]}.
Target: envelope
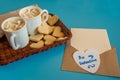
{"points": [[108, 66]]}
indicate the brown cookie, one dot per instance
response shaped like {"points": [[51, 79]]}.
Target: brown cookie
{"points": [[49, 39], [37, 45], [45, 28], [58, 32], [61, 38], [36, 37], [52, 20]]}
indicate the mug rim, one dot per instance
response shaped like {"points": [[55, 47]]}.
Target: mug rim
{"points": [[21, 10], [8, 19]]}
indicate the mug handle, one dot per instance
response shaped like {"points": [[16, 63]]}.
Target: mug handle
{"points": [[44, 11], [13, 43]]}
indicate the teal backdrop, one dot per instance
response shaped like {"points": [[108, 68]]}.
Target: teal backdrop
{"points": [[46, 65]]}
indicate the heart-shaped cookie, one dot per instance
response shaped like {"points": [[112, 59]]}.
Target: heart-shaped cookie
{"points": [[49, 39], [88, 60], [39, 44], [52, 20], [45, 28], [61, 38], [36, 37], [58, 32]]}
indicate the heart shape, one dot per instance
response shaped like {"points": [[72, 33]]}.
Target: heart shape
{"points": [[58, 32], [44, 28], [39, 44], [49, 39], [52, 20], [36, 37], [88, 60]]}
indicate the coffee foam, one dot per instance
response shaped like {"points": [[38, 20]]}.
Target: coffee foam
{"points": [[13, 25], [30, 13]]}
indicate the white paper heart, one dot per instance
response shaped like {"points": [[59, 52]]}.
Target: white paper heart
{"points": [[88, 60]]}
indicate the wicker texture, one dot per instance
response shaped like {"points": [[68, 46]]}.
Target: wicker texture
{"points": [[8, 55]]}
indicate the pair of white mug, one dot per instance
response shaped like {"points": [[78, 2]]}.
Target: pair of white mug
{"points": [[19, 38]]}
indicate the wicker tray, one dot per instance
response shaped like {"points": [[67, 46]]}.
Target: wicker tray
{"points": [[8, 55]]}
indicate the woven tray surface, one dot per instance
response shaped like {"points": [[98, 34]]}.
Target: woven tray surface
{"points": [[8, 55]]}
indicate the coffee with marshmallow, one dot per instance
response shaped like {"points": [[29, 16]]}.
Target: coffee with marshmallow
{"points": [[30, 13], [13, 25]]}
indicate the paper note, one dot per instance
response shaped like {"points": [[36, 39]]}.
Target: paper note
{"points": [[83, 39]]}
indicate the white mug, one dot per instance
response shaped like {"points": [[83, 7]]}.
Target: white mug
{"points": [[34, 22], [19, 38]]}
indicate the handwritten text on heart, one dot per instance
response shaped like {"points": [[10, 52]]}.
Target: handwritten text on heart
{"points": [[88, 60]]}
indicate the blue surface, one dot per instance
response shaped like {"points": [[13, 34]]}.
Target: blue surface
{"points": [[74, 13]]}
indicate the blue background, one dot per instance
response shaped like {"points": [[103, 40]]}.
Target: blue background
{"points": [[74, 13]]}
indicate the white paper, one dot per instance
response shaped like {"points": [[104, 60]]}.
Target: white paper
{"points": [[83, 39]]}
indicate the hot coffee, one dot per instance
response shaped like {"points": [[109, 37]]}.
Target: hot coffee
{"points": [[16, 32], [13, 25], [30, 13], [33, 16]]}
